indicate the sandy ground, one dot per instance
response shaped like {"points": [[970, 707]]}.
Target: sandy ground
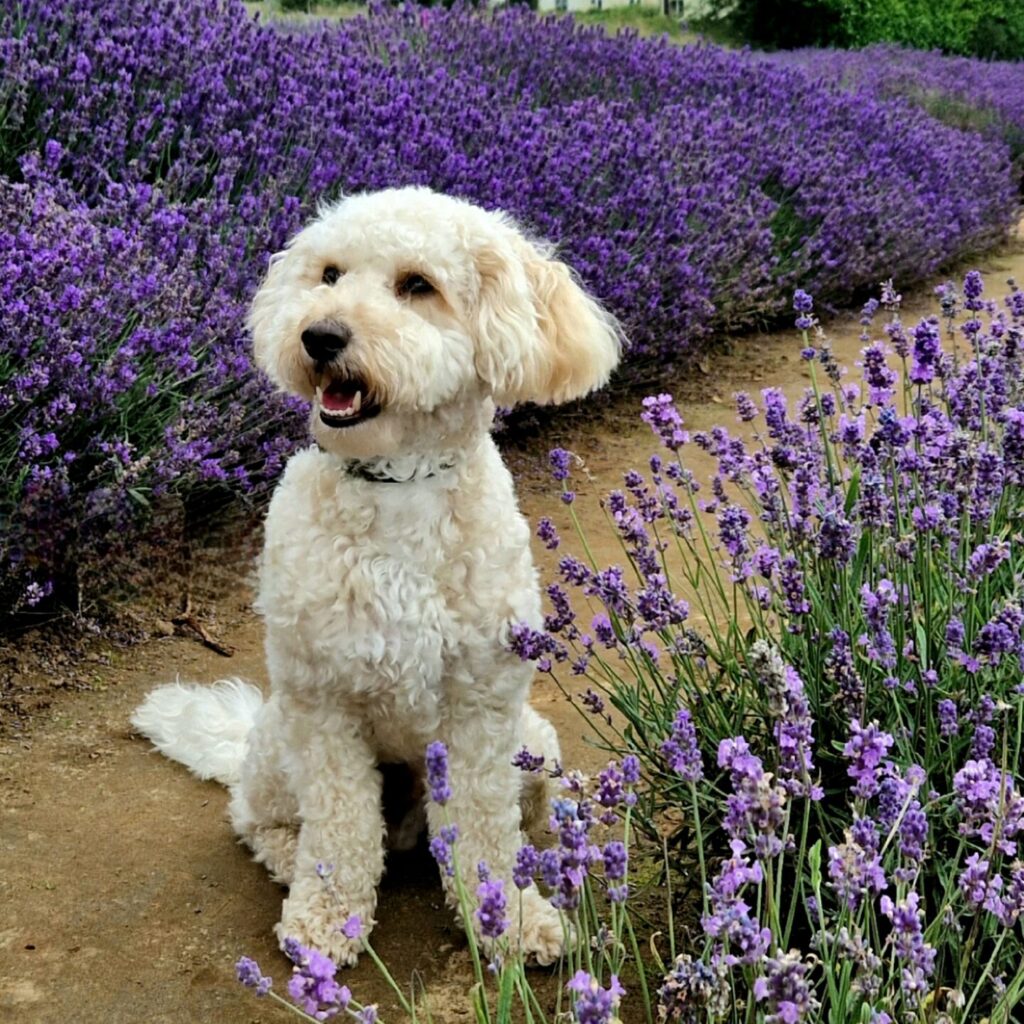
{"points": [[124, 896]]}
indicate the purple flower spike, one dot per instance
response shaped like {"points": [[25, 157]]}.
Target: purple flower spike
{"points": [[249, 974], [907, 938], [441, 848], [866, 749], [312, 984], [786, 989], [615, 857], [680, 750], [490, 913], [527, 762], [525, 867], [663, 418], [803, 305], [594, 1004], [560, 461], [612, 788], [437, 773]]}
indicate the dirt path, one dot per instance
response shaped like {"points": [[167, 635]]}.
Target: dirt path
{"points": [[124, 897]]}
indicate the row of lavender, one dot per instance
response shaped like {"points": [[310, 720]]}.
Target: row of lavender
{"points": [[152, 154], [827, 750], [985, 96]]}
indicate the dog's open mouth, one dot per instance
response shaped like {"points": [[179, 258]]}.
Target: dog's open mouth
{"points": [[344, 401]]}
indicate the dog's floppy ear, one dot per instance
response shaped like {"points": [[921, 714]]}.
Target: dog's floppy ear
{"points": [[263, 321], [540, 337]]}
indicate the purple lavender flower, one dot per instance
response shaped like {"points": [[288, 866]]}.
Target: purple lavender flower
{"points": [[855, 870], [878, 640], [836, 539], [733, 522], [982, 741], [663, 418], [441, 848], [612, 790], [746, 410], [840, 671], [907, 938], [694, 991], [785, 987], [609, 587], [566, 867], [986, 558], [312, 984], [680, 750], [792, 581], [249, 974], [974, 880], [755, 808], [989, 805], [733, 926], [948, 719], [913, 830], [803, 305], [490, 911], [437, 773], [614, 858], [547, 533], [1012, 904], [525, 867], [560, 461], [1001, 635], [527, 762], [789, 707], [594, 1004], [877, 375], [926, 351], [866, 749]]}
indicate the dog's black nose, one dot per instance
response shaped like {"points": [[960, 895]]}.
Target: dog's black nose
{"points": [[325, 340]]}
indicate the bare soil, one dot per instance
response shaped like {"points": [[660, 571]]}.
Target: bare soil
{"points": [[125, 897]]}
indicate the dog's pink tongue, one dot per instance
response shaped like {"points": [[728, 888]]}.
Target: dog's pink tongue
{"points": [[339, 396]]}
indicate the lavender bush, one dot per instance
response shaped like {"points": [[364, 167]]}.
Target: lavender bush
{"points": [[140, 196], [840, 747], [986, 96]]}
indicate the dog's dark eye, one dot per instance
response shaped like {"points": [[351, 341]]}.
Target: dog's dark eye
{"points": [[330, 275], [414, 284]]}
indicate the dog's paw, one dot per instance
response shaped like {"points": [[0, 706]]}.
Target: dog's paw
{"points": [[540, 933], [312, 916]]}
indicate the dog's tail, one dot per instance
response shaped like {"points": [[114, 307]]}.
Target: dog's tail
{"points": [[203, 727]]}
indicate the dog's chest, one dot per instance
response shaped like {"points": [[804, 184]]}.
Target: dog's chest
{"points": [[367, 594]]}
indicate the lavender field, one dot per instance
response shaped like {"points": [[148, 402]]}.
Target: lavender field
{"points": [[692, 188], [794, 643]]}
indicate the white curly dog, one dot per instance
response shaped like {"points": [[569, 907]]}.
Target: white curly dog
{"points": [[395, 556]]}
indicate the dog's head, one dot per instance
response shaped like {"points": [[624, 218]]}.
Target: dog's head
{"points": [[393, 308]]}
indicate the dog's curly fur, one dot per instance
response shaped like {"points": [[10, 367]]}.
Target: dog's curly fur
{"points": [[395, 557]]}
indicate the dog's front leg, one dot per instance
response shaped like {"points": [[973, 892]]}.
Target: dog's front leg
{"points": [[340, 855], [484, 804]]}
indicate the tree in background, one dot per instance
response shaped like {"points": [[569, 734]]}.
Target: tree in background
{"points": [[983, 28]]}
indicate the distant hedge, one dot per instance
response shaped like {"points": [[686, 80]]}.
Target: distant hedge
{"points": [[983, 28]]}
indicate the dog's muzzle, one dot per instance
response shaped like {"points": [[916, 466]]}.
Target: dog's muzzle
{"points": [[343, 398]]}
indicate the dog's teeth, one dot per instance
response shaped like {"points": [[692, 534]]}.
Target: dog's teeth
{"points": [[357, 402]]}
